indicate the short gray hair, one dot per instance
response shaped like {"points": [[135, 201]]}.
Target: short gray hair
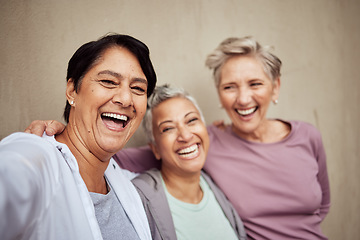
{"points": [[161, 94], [245, 46]]}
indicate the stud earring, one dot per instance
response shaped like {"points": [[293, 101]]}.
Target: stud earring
{"points": [[71, 102], [276, 101]]}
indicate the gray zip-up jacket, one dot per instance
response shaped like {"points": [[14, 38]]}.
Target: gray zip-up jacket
{"points": [[157, 209]]}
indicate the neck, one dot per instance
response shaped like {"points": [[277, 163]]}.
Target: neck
{"points": [[269, 131], [91, 168], [184, 188]]}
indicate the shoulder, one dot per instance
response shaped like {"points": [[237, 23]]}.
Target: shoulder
{"points": [[148, 181], [20, 138], [214, 188], [307, 134], [207, 177], [213, 129], [301, 128], [26, 146], [220, 134], [301, 124]]}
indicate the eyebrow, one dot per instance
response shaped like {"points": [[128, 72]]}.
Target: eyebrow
{"points": [[170, 121], [119, 76], [191, 113], [166, 121]]}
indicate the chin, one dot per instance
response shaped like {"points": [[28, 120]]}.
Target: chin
{"points": [[112, 146]]}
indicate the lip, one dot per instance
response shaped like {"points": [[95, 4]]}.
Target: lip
{"points": [[246, 113], [115, 121], [189, 152]]}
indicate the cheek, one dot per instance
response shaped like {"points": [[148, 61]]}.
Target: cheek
{"points": [[206, 139], [227, 99], [265, 96], [140, 106], [164, 147]]}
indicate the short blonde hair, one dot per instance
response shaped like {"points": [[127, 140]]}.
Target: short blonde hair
{"points": [[245, 46]]}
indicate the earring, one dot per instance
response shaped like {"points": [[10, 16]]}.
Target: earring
{"points": [[276, 101], [71, 102]]}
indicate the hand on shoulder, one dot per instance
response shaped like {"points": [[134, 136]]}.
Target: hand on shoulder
{"points": [[51, 127]]}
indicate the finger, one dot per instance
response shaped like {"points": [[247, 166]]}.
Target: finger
{"points": [[54, 127], [36, 127], [218, 123]]}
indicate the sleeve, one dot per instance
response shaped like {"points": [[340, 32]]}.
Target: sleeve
{"points": [[137, 160], [323, 177], [20, 195]]}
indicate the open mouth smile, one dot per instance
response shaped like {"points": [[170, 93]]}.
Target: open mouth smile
{"points": [[189, 152], [246, 112], [115, 121]]}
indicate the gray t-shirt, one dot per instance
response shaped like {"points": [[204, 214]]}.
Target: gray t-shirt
{"points": [[113, 221]]}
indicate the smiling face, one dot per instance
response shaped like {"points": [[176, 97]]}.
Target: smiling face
{"points": [[110, 103], [181, 138], [245, 92]]}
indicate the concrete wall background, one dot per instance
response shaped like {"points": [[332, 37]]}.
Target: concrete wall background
{"points": [[317, 40]]}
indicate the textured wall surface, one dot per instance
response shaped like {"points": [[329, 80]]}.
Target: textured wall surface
{"points": [[317, 40]]}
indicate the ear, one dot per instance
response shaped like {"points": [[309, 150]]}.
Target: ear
{"points": [[276, 89], [155, 151], [70, 91]]}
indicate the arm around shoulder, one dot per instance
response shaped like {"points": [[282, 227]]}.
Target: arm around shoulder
{"points": [[137, 160]]}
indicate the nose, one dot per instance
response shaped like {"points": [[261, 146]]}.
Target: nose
{"points": [[123, 96], [244, 96], [184, 134]]}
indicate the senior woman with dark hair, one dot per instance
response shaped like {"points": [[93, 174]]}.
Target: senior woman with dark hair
{"points": [[273, 171], [68, 186], [180, 200]]}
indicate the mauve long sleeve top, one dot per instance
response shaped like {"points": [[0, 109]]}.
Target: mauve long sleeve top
{"points": [[281, 189]]}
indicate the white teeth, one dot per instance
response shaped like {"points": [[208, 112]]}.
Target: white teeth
{"points": [[116, 116], [188, 149], [190, 154], [246, 112]]}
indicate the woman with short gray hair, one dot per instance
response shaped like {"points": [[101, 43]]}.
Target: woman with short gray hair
{"points": [[180, 200]]}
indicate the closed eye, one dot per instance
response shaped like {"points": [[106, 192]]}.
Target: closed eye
{"points": [[167, 129], [139, 90], [255, 84], [108, 83], [193, 120], [228, 87]]}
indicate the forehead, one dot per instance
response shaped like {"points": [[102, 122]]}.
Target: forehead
{"points": [[243, 63], [119, 59], [242, 67], [172, 109]]}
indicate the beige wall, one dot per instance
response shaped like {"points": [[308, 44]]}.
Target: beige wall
{"points": [[317, 40]]}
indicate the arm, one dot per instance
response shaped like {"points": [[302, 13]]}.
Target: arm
{"points": [[137, 159], [323, 179], [133, 159], [220, 124], [20, 194]]}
